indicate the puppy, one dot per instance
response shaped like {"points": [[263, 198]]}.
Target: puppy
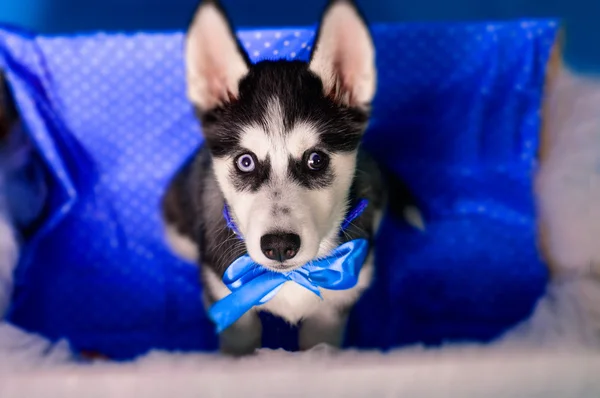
{"points": [[282, 152]]}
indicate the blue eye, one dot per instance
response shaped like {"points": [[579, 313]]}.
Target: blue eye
{"points": [[316, 161], [245, 163]]}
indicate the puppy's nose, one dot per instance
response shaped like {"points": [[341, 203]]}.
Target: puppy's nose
{"points": [[280, 246]]}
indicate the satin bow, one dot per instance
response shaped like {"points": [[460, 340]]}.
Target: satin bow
{"points": [[251, 284]]}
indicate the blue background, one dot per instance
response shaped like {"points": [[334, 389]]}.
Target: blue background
{"points": [[581, 17]]}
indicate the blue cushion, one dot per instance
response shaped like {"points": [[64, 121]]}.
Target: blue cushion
{"points": [[456, 116]]}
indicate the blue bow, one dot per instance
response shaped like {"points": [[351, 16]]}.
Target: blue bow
{"points": [[251, 284]]}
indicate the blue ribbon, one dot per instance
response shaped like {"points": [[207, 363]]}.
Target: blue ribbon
{"points": [[251, 284]]}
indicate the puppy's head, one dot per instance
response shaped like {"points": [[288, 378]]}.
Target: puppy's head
{"points": [[283, 134]]}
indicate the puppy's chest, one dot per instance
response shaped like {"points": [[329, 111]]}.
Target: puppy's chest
{"points": [[293, 302]]}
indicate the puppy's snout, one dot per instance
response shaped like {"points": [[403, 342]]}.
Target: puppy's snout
{"points": [[280, 246]]}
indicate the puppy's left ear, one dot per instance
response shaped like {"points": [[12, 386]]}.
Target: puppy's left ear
{"points": [[215, 60], [344, 55]]}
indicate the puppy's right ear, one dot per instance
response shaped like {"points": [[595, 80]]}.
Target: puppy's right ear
{"points": [[344, 55], [215, 60]]}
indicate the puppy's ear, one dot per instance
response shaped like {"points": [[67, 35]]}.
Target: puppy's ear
{"points": [[344, 55], [215, 60]]}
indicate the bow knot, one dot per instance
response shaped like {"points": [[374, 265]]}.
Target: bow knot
{"points": [[251, 284]]}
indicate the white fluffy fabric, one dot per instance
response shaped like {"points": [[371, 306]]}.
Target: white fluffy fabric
{"points": [[568, 183], [555, 353]]}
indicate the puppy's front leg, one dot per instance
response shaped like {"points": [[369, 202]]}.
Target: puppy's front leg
{"points": [[241, 338], [244, 337], [326, 325]]}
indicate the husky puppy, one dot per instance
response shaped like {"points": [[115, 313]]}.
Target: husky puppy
{"points": [[282, 151]]}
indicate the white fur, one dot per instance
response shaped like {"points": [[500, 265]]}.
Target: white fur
{"points": [[344, 55], [214, 65], [276, 142], [294, 302]]}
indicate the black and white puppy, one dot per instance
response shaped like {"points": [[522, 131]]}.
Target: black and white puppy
{"points": [[282, 150]]}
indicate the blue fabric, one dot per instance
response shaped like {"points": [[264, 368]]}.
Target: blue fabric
{"points": [[456, 115]]}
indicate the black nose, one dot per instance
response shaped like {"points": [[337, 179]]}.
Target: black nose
{"points": [[280, 246]]}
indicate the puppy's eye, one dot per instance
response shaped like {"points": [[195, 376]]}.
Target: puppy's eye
{"points": [[245, 163], [316, 161]]}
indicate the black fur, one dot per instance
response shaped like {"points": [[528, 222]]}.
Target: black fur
{"points": [[254, 180], [301, 97], [312, 179]]}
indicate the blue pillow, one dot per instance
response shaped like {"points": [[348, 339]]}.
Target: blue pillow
{"points": [[456, 116]]}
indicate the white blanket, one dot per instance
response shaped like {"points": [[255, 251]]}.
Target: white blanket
{"points": [[555, 354]]}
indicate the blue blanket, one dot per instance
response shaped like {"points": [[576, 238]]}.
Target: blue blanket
{"points": [[456, 116]]}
